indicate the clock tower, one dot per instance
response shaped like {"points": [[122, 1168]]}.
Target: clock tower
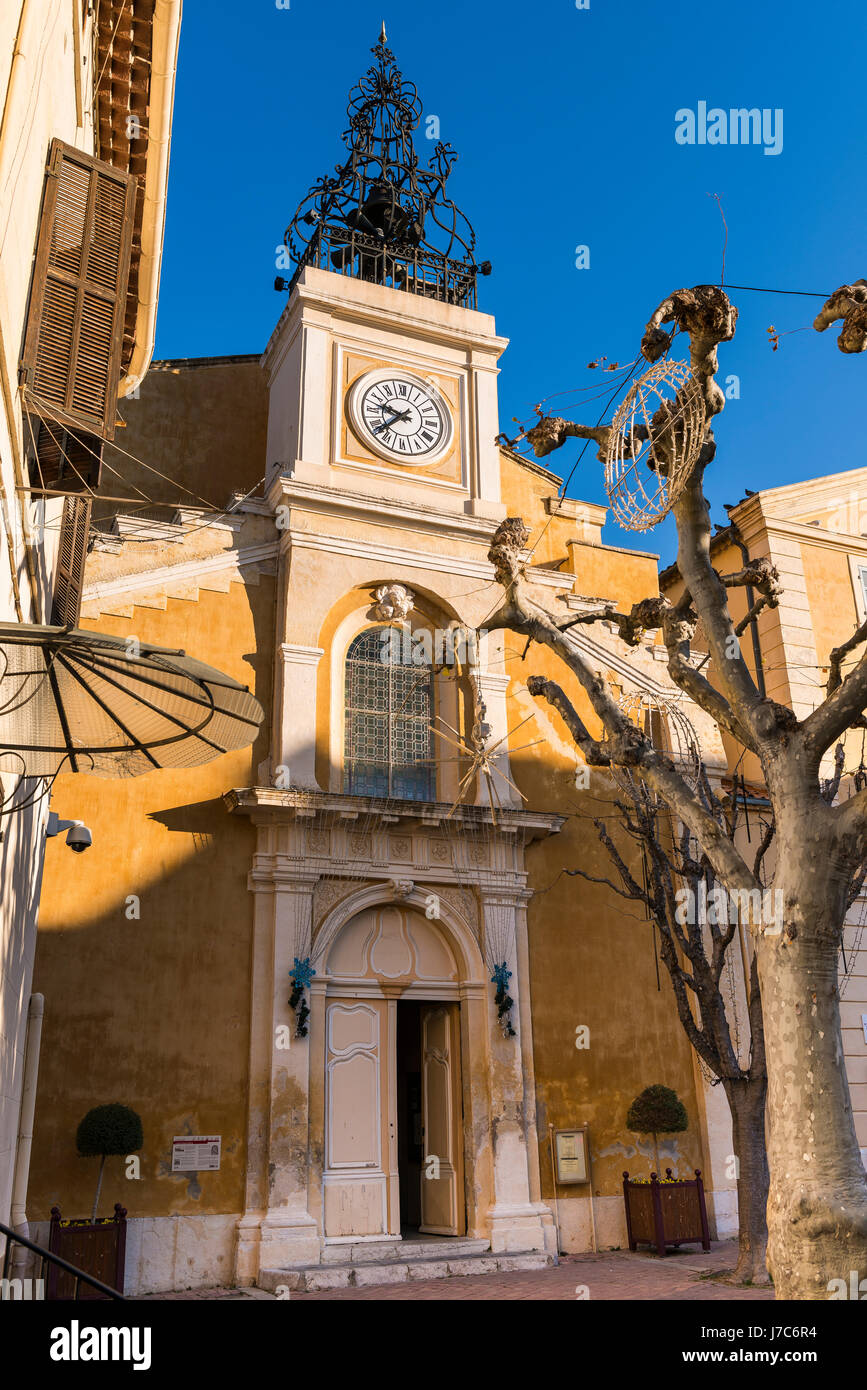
{"points": [[382, 372], [376, 908]]}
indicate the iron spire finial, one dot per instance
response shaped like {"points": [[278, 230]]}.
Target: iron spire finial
{"points": [[381, 215]]}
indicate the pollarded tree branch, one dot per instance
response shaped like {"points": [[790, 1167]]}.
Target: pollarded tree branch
{"points": [[706, 314], [829, 788], [838, 655], [621, 748], [627, 746], [709, 599], [758, 574], [856, 885], [764, 846], [850, 822], [845, 704], [551, 432], [848, 303], [677, 623], [521, 614]]}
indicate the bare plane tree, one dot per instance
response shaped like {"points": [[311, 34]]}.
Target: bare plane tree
{"points": [[695, 948], [817, 1207]]}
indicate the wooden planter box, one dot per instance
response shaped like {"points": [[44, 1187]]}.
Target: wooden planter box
{"points": [[666, 1213], [97, 1247]]}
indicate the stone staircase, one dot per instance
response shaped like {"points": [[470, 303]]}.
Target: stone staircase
{"points": [[363, 1263]]}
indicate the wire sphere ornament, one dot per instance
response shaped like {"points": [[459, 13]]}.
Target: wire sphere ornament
{"points": [[653, 444], [670, 731]]}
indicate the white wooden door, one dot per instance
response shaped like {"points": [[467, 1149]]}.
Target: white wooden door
{"points": [[442, 1179], [359, 1143]]}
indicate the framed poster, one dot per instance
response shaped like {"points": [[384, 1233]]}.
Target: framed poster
{"points": [[195, 1153], [572, 1155]]}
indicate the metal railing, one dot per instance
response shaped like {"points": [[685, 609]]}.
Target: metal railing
{"points": [[364, 257], [47, 1257]]}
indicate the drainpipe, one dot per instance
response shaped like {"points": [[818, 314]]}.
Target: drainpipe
{"points": [[164, 59], [18, 1216]]}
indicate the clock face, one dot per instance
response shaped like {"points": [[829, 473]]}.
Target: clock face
{"points": [[402, 418]]}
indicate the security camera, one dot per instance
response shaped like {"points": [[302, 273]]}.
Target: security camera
{"points": [[78, 837]]}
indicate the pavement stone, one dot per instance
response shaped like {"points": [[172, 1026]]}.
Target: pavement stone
{"points": [[610, 1275]]}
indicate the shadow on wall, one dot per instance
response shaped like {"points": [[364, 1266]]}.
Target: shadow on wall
{"points": [[143, 957]]}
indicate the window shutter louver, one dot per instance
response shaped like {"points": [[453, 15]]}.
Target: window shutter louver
{"points": [[72, 345], [71, 557]]}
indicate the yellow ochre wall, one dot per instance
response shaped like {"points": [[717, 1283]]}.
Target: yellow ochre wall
{"points": [[154, 1013]]}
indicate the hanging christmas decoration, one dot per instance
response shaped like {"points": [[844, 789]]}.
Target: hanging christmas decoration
{"points": [[661, 717], [503, 1000], [301, 975], [653, 444]]}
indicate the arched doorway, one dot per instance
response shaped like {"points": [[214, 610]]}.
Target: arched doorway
{"points": [[394, 1144]]}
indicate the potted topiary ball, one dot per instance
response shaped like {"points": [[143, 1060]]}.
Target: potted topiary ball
{"points": [[657, 1111], [108, 1129], [96, 1247]]}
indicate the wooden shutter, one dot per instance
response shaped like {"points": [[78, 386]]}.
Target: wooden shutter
{"points": [[71, 557], [72, 345], [64, 461]]}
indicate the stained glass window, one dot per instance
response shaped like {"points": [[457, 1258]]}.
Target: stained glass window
{"points": [[389, 707]]}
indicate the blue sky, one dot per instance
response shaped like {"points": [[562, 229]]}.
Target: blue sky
{"points": [[564, 121]]}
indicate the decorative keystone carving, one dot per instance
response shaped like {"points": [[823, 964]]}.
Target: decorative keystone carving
{"points": [[394, 602], [402, 887]]}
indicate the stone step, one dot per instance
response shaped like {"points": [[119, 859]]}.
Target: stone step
{"points": [[381, 1252], [316, 1278]]}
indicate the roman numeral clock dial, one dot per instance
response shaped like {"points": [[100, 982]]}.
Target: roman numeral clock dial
{"points": [[400, 417]]}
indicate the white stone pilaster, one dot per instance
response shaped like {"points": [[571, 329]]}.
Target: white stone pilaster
{"points": [[296, 721], [277, 1228], [518, 1219], [485, 424]]}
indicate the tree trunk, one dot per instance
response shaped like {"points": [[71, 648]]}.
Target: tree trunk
{"points": [[98, 1187], [656, 1152], [747, 1104], [817, 1211]]}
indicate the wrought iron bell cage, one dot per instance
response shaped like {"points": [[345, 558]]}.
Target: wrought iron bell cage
{"points": [[382, 217]]}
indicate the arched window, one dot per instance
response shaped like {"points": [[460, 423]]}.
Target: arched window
{"points": [[389, 708]]}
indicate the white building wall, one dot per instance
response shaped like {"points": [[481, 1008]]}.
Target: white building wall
{"points": [[40, 99]]}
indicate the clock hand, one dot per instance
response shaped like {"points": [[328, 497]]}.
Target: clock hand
{"points": [[395, 415]]}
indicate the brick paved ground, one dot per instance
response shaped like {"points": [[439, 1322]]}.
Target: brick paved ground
{"points": [[617, 1274]]}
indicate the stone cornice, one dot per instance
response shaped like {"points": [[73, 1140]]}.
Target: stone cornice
{"points": [[378, 811], [813, 492], [397, 558], [321, 500], [752, 520]]}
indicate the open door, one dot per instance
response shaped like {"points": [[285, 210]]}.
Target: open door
{"points": [[442, 1178]]}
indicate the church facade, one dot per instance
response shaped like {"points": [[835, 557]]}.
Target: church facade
{"points": [[356, 953]]}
